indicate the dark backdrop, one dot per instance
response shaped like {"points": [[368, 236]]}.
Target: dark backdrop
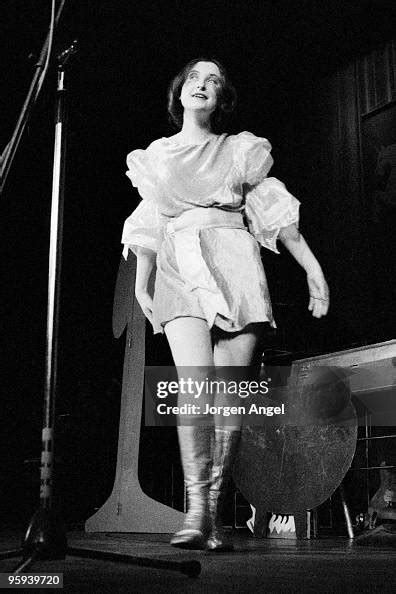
{"points": [[296, 69]]}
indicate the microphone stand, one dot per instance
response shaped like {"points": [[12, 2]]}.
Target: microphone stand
{"points": [[45, 538], [8, 154]]}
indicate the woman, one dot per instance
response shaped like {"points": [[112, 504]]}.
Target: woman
{"points": [[211, 297]]}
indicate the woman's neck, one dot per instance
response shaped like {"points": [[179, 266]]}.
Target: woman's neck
{"points": [[195, 129]]}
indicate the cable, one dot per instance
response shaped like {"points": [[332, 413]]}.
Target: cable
{"points": [[6, 158], [49, 49]]}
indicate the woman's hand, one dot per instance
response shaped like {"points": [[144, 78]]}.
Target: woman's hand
{"points": [[146, 304], [144, 267], [299, 249], [319, 294]]}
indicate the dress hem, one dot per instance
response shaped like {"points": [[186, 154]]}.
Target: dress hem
{"points": [[160, 329]]}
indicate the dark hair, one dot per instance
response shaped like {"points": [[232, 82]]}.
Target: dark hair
{"points": [[227, 96]]}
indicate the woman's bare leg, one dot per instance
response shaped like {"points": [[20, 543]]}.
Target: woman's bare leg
{"points": [[236, 350], [190, 342], [233, 355], [191, 346]]}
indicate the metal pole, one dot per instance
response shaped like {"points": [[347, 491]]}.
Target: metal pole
{"points": [[54, 265]]}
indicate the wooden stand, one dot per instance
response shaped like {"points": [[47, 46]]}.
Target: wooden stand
{"points": [[128, 509]]}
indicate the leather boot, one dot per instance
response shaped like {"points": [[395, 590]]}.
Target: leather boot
{"points": [[225, 448], [195, 450]]}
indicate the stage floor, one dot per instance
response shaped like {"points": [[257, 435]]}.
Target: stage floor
{"points": [[271, 565]]}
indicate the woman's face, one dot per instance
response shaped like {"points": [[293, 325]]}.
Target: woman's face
{"points": [[201, 87]]}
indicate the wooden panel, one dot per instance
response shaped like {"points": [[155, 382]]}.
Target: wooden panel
{"points": [[377, 78]]}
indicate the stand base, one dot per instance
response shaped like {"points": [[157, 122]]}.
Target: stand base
{"points": [[45, 540], [129, 509], [45, 536]]}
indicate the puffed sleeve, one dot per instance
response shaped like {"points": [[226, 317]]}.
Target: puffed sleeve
{"points": [[269, 207], [268, 204], [144, 226], [253, 157]]}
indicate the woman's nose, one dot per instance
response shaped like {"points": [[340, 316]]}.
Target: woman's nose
{"points": [[201, 84]]}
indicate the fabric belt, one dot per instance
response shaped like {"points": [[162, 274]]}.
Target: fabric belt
{"points": [[205, 217], [184, 232]]}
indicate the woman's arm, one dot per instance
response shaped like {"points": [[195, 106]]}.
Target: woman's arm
{"points": [[318, 288], [144, 267]]}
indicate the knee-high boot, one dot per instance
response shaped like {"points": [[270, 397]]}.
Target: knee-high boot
{"points": [[225, 448], [195, 450]]}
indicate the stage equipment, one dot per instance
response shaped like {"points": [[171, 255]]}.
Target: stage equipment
{"points": [[380, 520], [382, 505], [294, 467], [45, 538]]}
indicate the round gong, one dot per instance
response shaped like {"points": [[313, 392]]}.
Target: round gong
{"points": [[282, 468]]}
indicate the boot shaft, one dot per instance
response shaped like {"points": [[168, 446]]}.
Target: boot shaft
{"points": [[225, 449]]}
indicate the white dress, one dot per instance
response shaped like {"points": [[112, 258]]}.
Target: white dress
{"points": [[196, 201]]}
